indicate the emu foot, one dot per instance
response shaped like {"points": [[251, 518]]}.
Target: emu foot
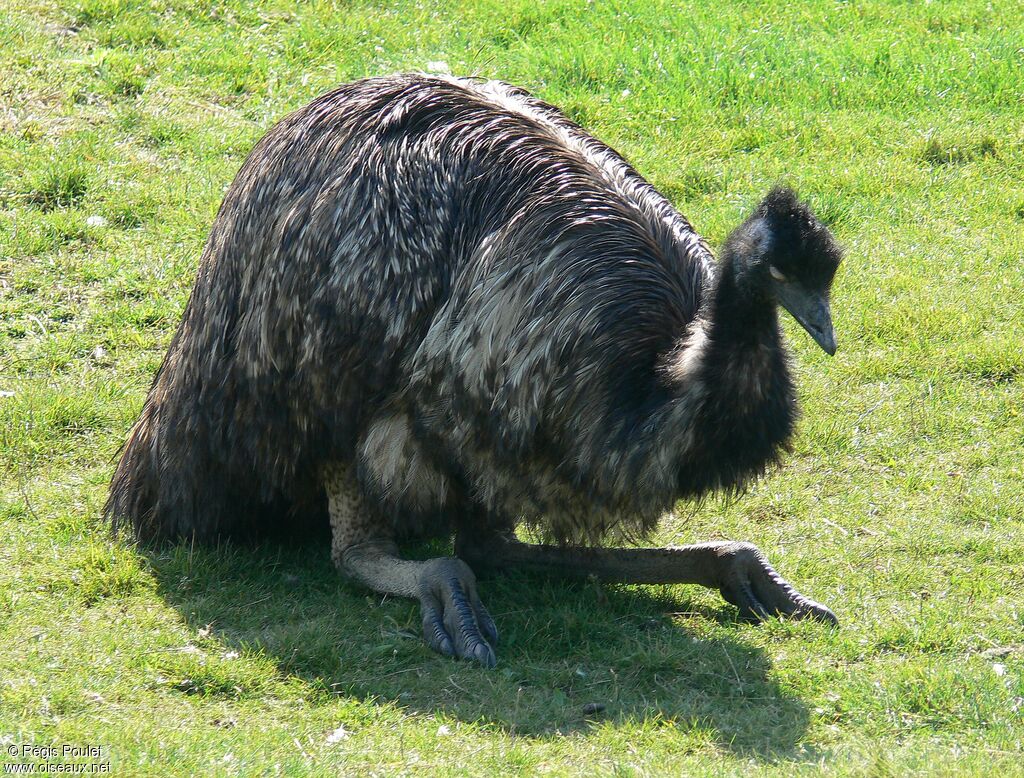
{"points": [[751, 584], [455, 622]]}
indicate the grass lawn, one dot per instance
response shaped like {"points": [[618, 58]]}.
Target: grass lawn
{"points": [[902, 506]]}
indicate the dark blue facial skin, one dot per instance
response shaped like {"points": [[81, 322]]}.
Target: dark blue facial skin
{"points": [[809, 307], [791, 258]]}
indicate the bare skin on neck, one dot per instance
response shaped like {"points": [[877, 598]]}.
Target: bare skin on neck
{"points": [[455, 622]]}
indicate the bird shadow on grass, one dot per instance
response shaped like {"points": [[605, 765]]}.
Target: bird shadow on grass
{"points": [[572, 656]]}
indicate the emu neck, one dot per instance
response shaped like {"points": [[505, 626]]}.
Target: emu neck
{"points": [[743, 314], [736, 407]]}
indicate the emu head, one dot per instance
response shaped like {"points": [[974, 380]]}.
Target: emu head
{"points": [[785, 251]]}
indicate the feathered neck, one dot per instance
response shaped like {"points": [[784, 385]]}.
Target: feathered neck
{"points": [[742, 312], [734, 407]]}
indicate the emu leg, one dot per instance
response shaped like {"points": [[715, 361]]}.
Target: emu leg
{"points": [[738, 570], [455, 623]]}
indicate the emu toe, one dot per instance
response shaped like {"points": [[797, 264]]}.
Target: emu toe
{"points": [[455, 622], [750, 583]]}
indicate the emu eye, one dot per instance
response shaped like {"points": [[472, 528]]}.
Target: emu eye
{"points": [[776, 273]]}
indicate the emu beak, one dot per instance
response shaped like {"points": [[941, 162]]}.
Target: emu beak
{"points": [[812, 310]]}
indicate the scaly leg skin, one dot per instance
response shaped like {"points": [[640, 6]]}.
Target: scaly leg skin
{"points": [[455, 623], [738, 570]]}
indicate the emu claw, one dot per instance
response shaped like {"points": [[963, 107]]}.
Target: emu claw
{"points": [[455, 622], [753, 586]]}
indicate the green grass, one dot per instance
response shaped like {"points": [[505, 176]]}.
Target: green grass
{"points": [[902, 506]]}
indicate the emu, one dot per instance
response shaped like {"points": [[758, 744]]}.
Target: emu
{"points": [[435, 306]]}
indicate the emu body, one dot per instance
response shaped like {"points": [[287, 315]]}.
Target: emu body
{"points": [[432, 304]]}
